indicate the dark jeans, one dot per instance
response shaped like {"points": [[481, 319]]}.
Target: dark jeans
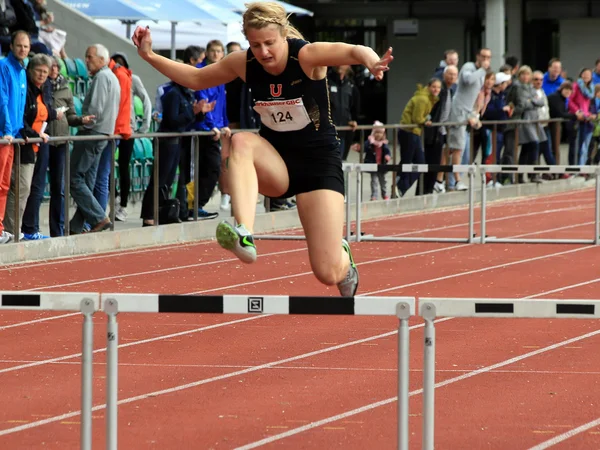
{"points": [[57, 193], [545, 149], [103, 176], [411, 152], [185, 175], [125, 151], [571, 130], [84, 167], [168, 159], [208, 169], [31, 215], [433, 155]]}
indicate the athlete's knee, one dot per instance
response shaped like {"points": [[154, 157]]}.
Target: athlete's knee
{"points": [[242, 145], [327, 273]]}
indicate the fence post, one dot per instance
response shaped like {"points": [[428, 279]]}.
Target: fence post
{"points": [[156, 187], [67, 189]]}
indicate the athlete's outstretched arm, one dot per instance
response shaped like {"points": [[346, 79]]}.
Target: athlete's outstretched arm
{"points": [[337, 54], [215, 74]]}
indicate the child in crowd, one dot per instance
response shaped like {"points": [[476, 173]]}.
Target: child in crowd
{"points": [[377, 152]]}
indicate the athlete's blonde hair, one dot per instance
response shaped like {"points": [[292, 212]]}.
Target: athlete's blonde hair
{"points": [[259, 15]]}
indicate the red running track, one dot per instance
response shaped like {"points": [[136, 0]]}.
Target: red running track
{"points": [[214, 381]]}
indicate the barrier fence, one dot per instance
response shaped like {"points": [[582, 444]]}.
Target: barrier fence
{"points": [[156, 137], [403, 308]]}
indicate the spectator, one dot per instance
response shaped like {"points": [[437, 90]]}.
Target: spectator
{"points": [[101, 101], [126, 146], [62, 98], [596, 74], [38, 112], [557, 102], [480, 137], [513, 62], [470, 82], [344, 98], [450, 59], [544, 114], [583, 93], [26, 21], [552, 78], [8, 20], [527, 105], [595, 110], [209, 167], [378, 152], [180, 110], [435, 137], [497, 110], [13, 91], [417, 112]]}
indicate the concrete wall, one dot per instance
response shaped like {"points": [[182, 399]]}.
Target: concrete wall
{"points": [[578, 44], [82, 32], [416, 58]]}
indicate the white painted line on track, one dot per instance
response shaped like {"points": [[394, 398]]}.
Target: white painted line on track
{"points": [[567, 435], [43, 319], [387, 401]]}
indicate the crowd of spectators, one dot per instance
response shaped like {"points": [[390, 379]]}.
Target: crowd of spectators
{"points": [[37, 101]]}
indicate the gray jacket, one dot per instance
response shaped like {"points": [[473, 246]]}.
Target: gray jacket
{"points": [[137, 88], [102, 101], [470, 82], [526, 103]]}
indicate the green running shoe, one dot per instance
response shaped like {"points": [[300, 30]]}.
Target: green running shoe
{"points": [[237, 240], [349, 285]]}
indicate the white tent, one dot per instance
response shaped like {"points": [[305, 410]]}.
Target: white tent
{"points": [[187, 33]]}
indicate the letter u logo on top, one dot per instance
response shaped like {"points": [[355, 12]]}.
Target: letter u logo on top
{"points": [[276, 91]]}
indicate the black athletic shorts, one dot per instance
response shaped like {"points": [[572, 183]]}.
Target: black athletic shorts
{"points": [[313, 168]]}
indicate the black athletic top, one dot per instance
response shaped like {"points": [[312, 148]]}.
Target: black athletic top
{"points": [[294, 109]]}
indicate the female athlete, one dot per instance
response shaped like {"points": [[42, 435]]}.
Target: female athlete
{"points": [[297, 149]]}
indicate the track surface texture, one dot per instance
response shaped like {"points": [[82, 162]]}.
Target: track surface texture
{"points": [[231, 381]]}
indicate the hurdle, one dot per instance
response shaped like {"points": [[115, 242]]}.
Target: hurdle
{"points": [[87, 304], [400, 307], [582, 170], [470, 170], [432, 308]]}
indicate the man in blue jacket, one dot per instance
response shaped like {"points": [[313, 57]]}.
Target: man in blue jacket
{"points": [[209, 167], [13, 91]]}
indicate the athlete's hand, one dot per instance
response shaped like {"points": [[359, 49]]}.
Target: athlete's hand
{"points": [[143, 41], [381, 66]]}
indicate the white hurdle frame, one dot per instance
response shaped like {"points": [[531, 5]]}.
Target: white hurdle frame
{"points": [[400, 307], [586, 170], [87, 304], [432, 308]]}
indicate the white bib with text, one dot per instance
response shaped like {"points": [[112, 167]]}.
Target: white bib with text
{"points": [[283, 115]]}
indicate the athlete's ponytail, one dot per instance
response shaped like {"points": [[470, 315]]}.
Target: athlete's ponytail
{"points": [[259, 15]]}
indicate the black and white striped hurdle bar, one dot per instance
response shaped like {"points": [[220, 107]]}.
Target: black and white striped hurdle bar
{"points": [[410, 168], [258, 304], [509, 308], [539, 169], [47, 301]]}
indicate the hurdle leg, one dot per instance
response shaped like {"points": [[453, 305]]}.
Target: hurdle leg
{"points": [[111, 308], [87, 354], [403, 314], [358, 202], [471, 205], [483, 206], [428, 313], [597, 225]]}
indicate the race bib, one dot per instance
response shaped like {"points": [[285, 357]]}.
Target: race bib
{"points": [[283, 115]]}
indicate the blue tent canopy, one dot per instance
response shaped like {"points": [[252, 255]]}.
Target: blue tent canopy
{"points": [[239, 5], [107, 9]]}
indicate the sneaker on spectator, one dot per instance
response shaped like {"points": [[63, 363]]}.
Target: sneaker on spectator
{"points": [[373, 198], [37, 236], [121, 213], [5, 237], [225, 202], [498, 185], [386, 197], [290, 205], [205, 215], [460, 186], [438, 187]]}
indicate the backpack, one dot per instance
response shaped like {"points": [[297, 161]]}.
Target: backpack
{"points": [[168, 208]]}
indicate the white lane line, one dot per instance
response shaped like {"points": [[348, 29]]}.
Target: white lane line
{"points": [[568, 435], [209, 380], [130, 344], [387, 401], [44, 319]]}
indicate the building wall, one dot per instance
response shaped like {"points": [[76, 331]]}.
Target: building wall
{"points": [[578, 44], [416, 58]]}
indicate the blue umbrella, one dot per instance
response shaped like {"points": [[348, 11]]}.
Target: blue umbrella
{"points": [[239, 5], [225, 14]]}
